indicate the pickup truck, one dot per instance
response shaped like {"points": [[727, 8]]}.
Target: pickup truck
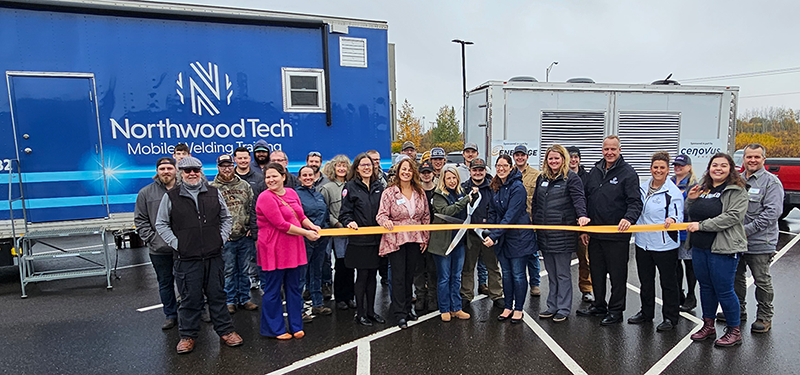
{"points": [[788, 171]]}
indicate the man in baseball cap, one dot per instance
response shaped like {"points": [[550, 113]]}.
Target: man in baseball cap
{"points": [[529, 176], [584, 273], [469, 153], [409, 149], [438, 158]]}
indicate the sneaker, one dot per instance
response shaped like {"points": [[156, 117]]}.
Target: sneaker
{"points": [[169, 323], [231, 308], [546, 314], [307, 295], [321, 310], [721, 316], [254, 283], [327, 292], [761, 326], [249, 306], [587, 297], [483, 289], [186, 345], [559, 318], [232, 339], [307, 318], [535, 291]]}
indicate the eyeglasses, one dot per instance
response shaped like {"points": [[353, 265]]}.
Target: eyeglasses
{"points": [[277, 160], [192, 170], [502, 166], [364, 165], [314, 153], [230, 166]]}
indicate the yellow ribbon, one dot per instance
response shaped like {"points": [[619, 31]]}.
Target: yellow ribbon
{"points": [[435, 227]]}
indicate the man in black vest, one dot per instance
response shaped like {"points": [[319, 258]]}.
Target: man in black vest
{"points": [[612, 198], [194, 220]]}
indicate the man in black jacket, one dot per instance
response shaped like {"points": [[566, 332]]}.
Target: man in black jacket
{"points": [[475, 247], [613, 198], [144, 216], [193, 219]]}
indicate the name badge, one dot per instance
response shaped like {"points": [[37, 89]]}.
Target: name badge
{"points": [[545, 183], [401, 201], [754, 190]]}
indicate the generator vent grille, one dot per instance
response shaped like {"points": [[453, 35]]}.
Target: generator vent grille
{"points": [[644, 133], [583, 129]]}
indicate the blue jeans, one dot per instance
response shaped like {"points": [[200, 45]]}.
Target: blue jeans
{"points": [[515, 283], [236, 255], [448, 272], [483, 273], [716, 273], [166, 283], [311, 278], [533, 269]]}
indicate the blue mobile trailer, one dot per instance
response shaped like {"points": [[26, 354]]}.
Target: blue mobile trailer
{"points": [[99, 90]]}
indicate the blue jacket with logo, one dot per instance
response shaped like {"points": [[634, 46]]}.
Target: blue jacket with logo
{"points": [[509, 206], [666, 202]]}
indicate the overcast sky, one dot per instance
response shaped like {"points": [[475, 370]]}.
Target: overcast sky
{"points": [[619, 41]]}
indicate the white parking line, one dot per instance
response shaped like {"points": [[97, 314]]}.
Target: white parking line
{"points": [[364, 358], [562, 355], [355, 344], [148, 308]]}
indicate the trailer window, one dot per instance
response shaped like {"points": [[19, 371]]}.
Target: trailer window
{"points": [[303, 90]]}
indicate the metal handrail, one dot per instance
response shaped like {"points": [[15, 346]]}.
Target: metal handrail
{"points": [[11, 201]]}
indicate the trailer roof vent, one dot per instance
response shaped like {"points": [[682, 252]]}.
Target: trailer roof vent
{"points": [[580, 80], [666, 82], [522, 79]]}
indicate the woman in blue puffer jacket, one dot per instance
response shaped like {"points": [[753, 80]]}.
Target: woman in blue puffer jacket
{"points": [[512, 246]]}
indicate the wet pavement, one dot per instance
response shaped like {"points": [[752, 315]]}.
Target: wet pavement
{"points": [[78, 327]]}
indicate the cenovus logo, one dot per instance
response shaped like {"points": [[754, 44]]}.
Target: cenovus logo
{"points": [[200, 94]]}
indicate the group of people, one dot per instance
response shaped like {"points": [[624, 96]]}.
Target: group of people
{"points": [[257, 220]]}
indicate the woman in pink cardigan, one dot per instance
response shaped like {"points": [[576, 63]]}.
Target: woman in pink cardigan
{"points": [[281, 252], [403, 203]]}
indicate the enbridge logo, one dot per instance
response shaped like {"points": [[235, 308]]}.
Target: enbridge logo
{"points": [[200, 94]]}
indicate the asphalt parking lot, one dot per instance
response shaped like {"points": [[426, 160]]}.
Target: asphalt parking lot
{"points": [[78, 327]]}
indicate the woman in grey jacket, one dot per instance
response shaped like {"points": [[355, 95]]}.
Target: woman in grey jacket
{"points": [[717, 207], [343, 285], [663, 204]]}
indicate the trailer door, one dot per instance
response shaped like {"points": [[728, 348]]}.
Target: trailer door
{"points": [[57, 135]]}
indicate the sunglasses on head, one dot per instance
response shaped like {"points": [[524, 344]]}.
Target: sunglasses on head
{"points": [[314, 153], [192, 170]]}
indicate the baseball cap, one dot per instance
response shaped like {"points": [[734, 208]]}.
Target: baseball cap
{"points": [[165, 160], [682, 160], [261, 145], [477, 163], [408, 144], [190, 162], [470, 145], [573, 150], [521, 148], [426, 166], [438, 153], [224, 158]]}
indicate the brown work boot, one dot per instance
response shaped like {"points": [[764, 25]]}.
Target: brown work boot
{"points": [[483, 289], [446, 317], [536, 291], [232, 339], [707, 331], [231, 308], [732, 336], [460, 314], [249, 306], [761, 326], [186, 345]]}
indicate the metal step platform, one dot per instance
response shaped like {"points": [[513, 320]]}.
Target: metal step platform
{"points": [[99, 260]]}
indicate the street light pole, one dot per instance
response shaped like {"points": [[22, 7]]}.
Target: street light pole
{"points": [[463, 80], [547, 78]]}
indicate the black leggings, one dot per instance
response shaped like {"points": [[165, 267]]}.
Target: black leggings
{"points": [[366, 283], [343, 282]]}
